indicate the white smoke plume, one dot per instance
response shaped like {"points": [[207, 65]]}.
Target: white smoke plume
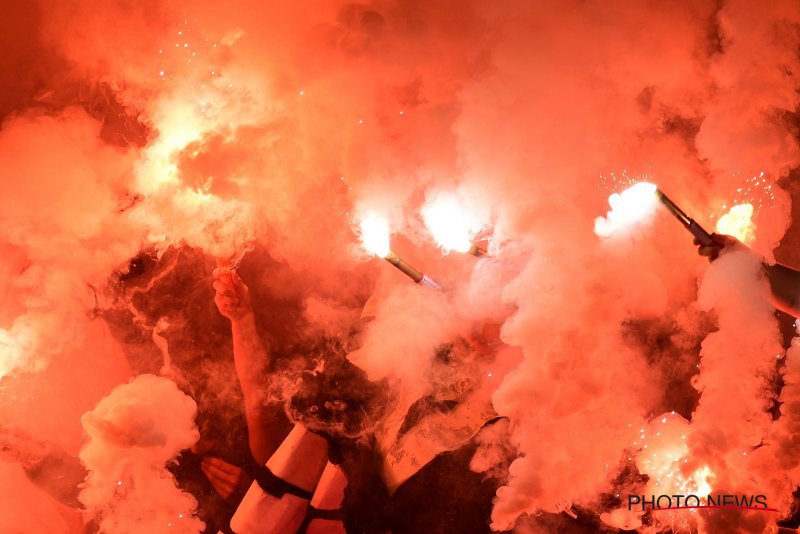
{"points": [[133, 433]]}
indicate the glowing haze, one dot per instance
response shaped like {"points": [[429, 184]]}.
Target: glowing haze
{"points": [[375, 234], [738, 222], [133, 433], [634, 205], [173, 132]]}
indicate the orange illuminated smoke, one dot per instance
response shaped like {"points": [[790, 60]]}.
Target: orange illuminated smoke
{"points": [[375, 238], [450, 223], [738, 222], [633, 206], [16, 346], [375, 234]]}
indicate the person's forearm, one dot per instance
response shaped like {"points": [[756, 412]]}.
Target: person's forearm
{"points": [[252, 361], [60, 475], [266, 422], [785, 285]]}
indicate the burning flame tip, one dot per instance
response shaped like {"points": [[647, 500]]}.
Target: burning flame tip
{"points": [[451, 224], [738, 222], [628, 208], [375, 234]]}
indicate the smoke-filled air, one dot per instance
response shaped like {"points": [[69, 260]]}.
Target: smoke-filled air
{"points": [[522, 266]]}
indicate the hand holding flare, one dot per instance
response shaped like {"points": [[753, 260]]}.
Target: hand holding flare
{"points": [[784, 281], [636, 204], [233, 296]]}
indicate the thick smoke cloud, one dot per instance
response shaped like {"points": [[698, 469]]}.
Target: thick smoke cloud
{"points": [[133, 433], [262, 133]]}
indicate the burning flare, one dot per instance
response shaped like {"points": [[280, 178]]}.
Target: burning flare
{"points": [[661, 452], [450, 224], [701, 479], [634, 205], [738, 222], [375, 234], [375, 238]]}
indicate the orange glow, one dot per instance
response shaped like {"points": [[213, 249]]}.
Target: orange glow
{"points": [[701, 479], [375, 234], [179, 126], [450, 223], [738, 222], [10, 352], [145, 143], [634, 205]]}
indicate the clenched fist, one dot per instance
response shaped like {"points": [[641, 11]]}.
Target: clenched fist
{"points": [[233, 296], [720, 242]]}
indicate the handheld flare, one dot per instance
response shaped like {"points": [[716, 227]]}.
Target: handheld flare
{"points": [[375, 238], [418, 277], [703, 237]]}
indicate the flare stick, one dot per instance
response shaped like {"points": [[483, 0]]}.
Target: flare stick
{"points": [[703, 237]]}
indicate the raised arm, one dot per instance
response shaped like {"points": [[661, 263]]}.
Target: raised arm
{"points": [[783, 281], [266, 422], [785, 284]]}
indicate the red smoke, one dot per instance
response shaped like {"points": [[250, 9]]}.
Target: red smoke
{"points": [[154, 129]]}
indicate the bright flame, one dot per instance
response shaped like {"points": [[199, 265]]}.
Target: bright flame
{"points": [[663, 452], [450, 223], [635, 204], [179, 125], [701, 479], [375, 234], [738, 222], [196, 102]]}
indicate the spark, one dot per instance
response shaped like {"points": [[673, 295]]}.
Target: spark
{"points": [[756, 191]]}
